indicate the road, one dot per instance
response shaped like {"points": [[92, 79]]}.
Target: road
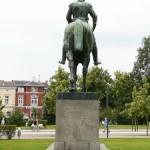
{"points": [[114, 133]]}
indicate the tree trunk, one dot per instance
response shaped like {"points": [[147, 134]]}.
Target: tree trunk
{"points": [[132, 124], [147, 123], [135, 124]]}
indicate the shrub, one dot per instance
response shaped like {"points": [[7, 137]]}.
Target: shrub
{"points": [[44, 122], [16, 118], [8, 131]]}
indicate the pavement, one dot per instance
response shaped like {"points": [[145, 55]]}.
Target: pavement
{"points": [[114, 133]]}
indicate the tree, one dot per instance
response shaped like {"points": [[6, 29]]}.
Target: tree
{"points": [[34, 113], [16, 118], [142, 65], [98, 80], [58, 83], [121, 93], [131, 110], [1, 107], [143, 101]]}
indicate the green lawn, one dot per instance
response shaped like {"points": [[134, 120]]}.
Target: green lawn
{"points": [[127, 143], [110, 126], [111, 143], [25, 144], [101, 127], [123, 126]]}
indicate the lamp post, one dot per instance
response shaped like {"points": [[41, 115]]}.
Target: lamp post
{"points": [[107, 92]]}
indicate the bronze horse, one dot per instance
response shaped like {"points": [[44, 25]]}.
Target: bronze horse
{"points": [[78, 44]]}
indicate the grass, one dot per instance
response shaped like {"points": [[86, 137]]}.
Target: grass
{"points": [[111, 143], [123, 126], [41, 144], [29, 128], [127, 143], [101, 127]]}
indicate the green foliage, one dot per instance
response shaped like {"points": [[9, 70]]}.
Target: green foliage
{"points": [[122, 88], [49, 117], [98, 80], [121, 93], [140, 106], [16, 118], [58, 83], [35, 113], [142, 64], [131, 110], [40, 121], [1, 107], [112, 113], [8, 131], [30, 122], [141, 99]]}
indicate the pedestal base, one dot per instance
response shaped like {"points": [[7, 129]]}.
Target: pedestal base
{"points": [[77, 121], [102, 147]]}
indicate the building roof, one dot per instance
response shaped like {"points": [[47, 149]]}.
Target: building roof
{"points": [[16, 83], [6, 83], [28, 83]]}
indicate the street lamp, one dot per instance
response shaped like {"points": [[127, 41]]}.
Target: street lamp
{"points": [[107, 92]]}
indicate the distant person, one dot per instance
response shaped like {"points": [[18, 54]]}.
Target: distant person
{"points": [[105, 124], [35, 125], [3, 121], [19, 133]]}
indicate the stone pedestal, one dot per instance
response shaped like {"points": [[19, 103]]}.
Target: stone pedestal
{"points": [[77, 121]]}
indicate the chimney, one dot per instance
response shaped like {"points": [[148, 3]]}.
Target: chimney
{"points": [[34, 79]]}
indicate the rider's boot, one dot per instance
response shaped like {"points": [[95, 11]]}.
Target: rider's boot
{"points": [[63, 59], [95, 57]]}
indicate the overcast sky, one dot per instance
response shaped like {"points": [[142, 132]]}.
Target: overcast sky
{"points": [[31, 35]]}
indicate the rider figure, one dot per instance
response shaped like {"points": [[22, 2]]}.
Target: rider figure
{"points": [[80, 10]]}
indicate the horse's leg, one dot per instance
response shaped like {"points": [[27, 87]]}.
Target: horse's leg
{"points": [[85, 65], [75, 76], [72, 74], [85, 68]]}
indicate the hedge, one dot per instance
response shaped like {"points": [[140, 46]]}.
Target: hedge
{"points": [[44, 122], [8, 131]]}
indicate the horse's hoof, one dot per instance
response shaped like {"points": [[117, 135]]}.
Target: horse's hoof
{"points": [[97, 62], [72, 90], [61, 61]]}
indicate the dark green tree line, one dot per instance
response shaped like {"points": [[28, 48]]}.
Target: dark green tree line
{"points": [[59, 82], [142, 64]]}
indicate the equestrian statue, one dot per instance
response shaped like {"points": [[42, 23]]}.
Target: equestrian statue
{"points": [[79, 41]]}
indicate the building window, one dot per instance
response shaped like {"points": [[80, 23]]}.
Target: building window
{"points": [[6, 99], [8, 114], [34, 101], [20, 101], [20, 89], [33, 89]]}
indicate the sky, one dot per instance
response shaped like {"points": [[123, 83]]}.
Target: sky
{"points": [[31, 36]]}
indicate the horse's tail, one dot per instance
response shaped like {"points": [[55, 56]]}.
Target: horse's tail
{"points": [[78, 35]]}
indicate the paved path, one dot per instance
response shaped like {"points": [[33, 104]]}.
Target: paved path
{"points": [[114, 133]]}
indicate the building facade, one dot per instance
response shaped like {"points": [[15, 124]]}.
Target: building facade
{"points": [[29, 96], [25, 95], [7, 94]]}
